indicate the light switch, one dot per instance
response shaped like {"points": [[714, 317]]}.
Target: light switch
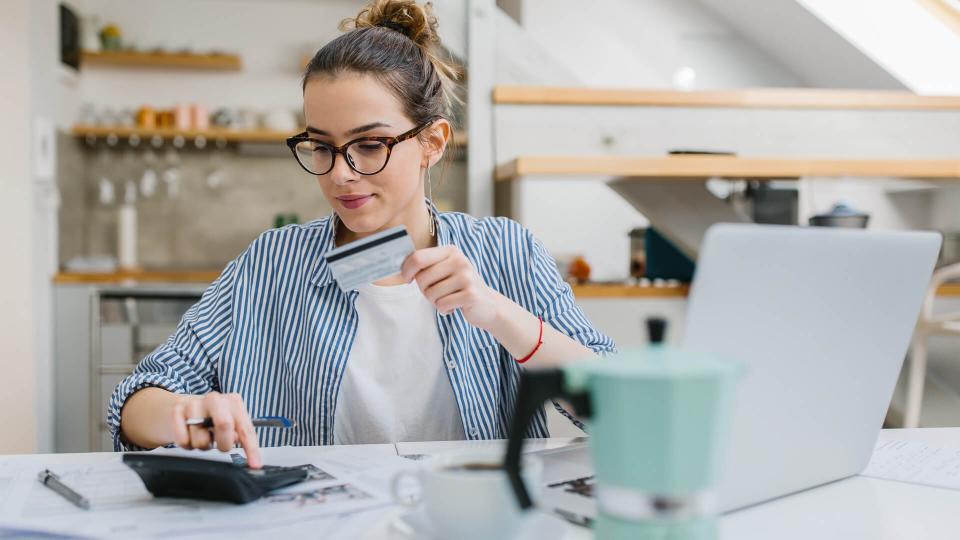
{"points": [[44, 148]]}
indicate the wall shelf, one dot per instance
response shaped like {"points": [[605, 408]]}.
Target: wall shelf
{"points": [[699, 167], [615, 290], [773, 98], [135, 276], [150, 60], [229, 135]]}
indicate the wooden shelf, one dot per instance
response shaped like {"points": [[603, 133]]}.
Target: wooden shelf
{"points": [[602, 290], [772, 98], [139, 276], [211, 62], [949, 289], [229, 135], [698, 167]]}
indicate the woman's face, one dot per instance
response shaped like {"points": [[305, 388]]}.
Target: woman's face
{"points": [[349, 106]]}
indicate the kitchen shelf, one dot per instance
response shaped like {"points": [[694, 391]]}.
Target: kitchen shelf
{"points": [[229, 135], [772, 98], [605, 290], [704, 166], [138, 276], [209, 62]]}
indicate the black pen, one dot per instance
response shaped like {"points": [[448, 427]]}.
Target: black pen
{"points": [[52, 481]]}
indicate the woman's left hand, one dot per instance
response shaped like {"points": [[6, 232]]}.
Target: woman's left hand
{"points": [[449, 281]]}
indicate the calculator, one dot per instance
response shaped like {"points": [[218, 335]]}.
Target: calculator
{"points": [[194, 478]]}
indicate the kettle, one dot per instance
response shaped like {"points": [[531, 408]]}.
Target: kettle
{"points": [[657, 418], [841, 215]]}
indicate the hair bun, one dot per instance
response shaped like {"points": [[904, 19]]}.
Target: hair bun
{"points": [[405, 16]]}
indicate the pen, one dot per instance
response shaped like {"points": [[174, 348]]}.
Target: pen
{"points": [[265, 421], [52, 481], [576, 519]]}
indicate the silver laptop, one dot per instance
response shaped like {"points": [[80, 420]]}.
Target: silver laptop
{"points": [[821, 318]]}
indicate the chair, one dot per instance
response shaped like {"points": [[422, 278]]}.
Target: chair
{"points": [[927, 325]]}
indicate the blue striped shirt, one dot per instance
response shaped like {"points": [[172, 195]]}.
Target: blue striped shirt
{"points": [[276, 329]]}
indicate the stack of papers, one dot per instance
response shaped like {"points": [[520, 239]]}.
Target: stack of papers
{"points": [[916, 463], [351, 484]]}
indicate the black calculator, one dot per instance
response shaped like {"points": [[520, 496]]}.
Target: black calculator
{"points": [[193, 478]]}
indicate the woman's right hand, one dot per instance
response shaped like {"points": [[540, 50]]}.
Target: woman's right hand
{"points": [[231, 423]]}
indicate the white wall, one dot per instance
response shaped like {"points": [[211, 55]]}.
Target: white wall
{"points": [[49, 93], [17, 323], [644, 43], [803, 43]]}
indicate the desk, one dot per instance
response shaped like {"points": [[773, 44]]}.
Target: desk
{"points": [[859, 507], [853, 508]]}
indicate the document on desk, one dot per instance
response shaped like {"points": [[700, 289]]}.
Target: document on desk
{"points": [[122, 507], [916, 463]]}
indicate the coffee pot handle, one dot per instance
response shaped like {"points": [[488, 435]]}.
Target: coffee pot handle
{"points": [[536, 386]]}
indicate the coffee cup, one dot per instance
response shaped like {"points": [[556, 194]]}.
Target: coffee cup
{"points": [[466, 496]]}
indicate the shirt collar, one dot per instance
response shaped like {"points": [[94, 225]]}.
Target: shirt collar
{"points": [[322, 276]]}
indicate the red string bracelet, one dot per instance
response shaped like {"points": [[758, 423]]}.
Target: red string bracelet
{"points": [[537, 347]]}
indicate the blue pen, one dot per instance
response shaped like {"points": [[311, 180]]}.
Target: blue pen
{"points": [[263, 421]]}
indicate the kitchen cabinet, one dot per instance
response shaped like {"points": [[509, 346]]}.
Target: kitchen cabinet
{"points": [[101, 331]]}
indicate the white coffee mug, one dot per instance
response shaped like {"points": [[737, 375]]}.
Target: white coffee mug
{"points": [[463, 499]]}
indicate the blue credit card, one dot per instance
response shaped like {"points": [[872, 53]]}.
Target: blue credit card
{"points": [[370, 259]]}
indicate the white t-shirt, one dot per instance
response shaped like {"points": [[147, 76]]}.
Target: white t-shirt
{"points": [[395, 387]]}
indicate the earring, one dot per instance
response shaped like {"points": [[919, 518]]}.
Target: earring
{"points": [[433, 225]]}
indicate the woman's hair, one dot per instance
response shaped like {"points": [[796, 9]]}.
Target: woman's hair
{"points": [[396, 42]]}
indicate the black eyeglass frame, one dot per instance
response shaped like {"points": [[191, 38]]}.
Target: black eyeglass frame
{"points": [[389, 142]]}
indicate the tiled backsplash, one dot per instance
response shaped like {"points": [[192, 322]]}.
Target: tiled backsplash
{"points": [[202, 228]]}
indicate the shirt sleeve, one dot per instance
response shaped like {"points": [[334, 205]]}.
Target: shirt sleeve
{"points": [[187, 362], [556, 304]]}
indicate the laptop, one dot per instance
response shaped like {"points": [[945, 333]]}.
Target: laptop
{"points": [[821, 318]]}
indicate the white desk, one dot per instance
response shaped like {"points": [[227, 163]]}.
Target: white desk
{"points": [[853, 508], [859, 507]]}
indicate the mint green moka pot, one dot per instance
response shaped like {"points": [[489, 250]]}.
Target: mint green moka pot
{"points": [[658, 419]]}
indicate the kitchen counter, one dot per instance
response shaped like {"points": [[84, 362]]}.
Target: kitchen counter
{"points": [[590, 290], [135, 276]]}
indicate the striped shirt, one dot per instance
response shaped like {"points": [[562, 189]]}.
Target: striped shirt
{"points": [[276, 329]]}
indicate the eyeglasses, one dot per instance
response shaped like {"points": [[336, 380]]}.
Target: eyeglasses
{"points": [[366, 155]]}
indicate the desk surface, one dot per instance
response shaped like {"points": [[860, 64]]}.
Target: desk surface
{"points": [[853, 508], [859, 507]]}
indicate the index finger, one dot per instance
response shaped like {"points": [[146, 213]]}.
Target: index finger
{"points": [[247, 437], [181, 437], [422, 258]]}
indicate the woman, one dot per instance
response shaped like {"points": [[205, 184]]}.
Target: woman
{"points": [[430, 354]]}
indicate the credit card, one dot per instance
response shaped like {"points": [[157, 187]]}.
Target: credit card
{"points": [[370, 259]]}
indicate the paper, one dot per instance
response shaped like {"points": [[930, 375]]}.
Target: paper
{"points": [[121, 506], [916, 463]]}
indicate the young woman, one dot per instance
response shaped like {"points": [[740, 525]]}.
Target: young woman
{"points": [[431, 354]]}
